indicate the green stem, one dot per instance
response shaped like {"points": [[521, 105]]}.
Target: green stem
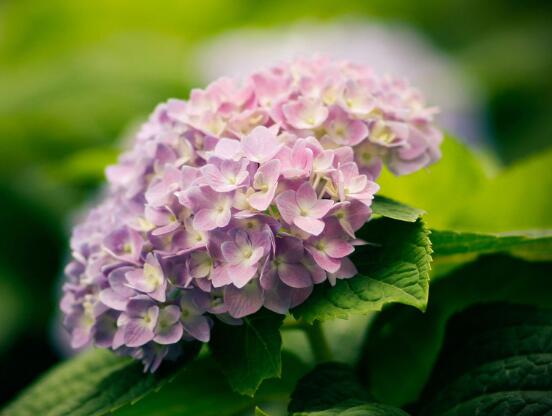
{"points": [[317, 340]]}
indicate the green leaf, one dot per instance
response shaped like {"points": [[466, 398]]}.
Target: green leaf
{"points": [[355, 409], [459, 194], [447, 243], [14, 307], [452, 248], [402, 345], [393, 267], [454, 177], [392, 209], [326, 386], [497, 360], [249, 353], [93, 383], [202, 390], [517, 199], [260, 412]]}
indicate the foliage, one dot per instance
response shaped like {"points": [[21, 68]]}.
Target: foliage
{"points": [[456, 358]]}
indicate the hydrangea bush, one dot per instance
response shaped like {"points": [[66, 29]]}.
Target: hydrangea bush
{"points": [[245, 196]]}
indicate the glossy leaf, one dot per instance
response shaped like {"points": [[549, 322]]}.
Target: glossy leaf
{"points": [[355, 409], [249, 353], [452, 248], [402, 345], [202, 390], [393, 267], [329, 384], [389, 208], [497, 360], [93, 383]]}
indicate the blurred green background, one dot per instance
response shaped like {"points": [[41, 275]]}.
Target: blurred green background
{"points": [[75, 76]]}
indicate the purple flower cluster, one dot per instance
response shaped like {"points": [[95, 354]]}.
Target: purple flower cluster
{"points": [[244, 196]]}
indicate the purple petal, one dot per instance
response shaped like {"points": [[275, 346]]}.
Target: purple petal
{"points": [[137, 333], [245, 301], [294, 275], [169, 335], [198, 327]]}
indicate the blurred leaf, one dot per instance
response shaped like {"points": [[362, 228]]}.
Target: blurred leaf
{"points": [[394, 267], [402, 344], [518, 199], [84, 167], [355, 409], [95, 382], [455, 177], [497, 360], [202, 390], [260, 412], [329, 384], [254, 352], [392, 209], [13, 308]]}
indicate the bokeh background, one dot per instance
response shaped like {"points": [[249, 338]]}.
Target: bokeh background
{"points": [[77, 76]]}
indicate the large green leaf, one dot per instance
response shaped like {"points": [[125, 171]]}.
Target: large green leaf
{"points": [[402, 345], [329, 384], [333, 389], [392, 209], [497, 360], [202, 390], [355, 409], [448, 243], [443, 189], [519, 198], [93, 383], [452, 248], [459, 194], [251, 352], [393, 267]]}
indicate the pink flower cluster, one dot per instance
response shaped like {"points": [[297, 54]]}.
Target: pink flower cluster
{"points": [[244, 196]]}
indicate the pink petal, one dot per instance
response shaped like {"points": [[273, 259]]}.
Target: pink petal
{"points": [[305, 113], [321, 208], [267, 174], [220, 277], [310, 225], [323, 260], [241, 274], [287, 205], [305, 196], [227, 149], [262, 200], [231, 252], [261, 144], [223, 218], [206, 219], [338, 248]]}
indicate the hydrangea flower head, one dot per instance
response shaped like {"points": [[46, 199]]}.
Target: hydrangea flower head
{"points": [[246, 195]]}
